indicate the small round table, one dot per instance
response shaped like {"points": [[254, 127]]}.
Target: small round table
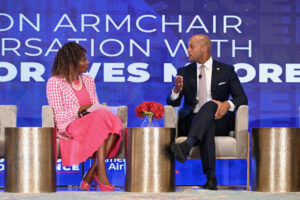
{"points": [[30, 160], [149, 161], [276, 159]]}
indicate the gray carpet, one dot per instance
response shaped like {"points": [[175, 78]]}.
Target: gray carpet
{"points": [[180, 194]]}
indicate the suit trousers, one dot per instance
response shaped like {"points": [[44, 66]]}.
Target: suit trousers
{"points": [[204, 127]]}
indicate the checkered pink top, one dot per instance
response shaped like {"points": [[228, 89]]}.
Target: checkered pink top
{"points": [[64, 103]]}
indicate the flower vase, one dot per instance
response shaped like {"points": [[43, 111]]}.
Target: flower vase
{"points": [[155, 122], [147, 122]]}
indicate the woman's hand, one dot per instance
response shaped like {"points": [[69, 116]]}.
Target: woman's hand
{"points": [[84, 108]]}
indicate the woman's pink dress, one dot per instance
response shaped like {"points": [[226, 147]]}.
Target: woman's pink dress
{"points": [[89, 132]]}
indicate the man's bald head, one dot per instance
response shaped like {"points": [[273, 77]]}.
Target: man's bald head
{"points": [[199, 48], [202, 39]]}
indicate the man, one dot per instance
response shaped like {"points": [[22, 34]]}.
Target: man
{"points": [[206, 86]]}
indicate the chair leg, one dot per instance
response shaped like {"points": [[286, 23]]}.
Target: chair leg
{"points": [[248, 163]]}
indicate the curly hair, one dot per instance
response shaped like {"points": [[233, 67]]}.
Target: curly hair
{"points": [[66, 60]]}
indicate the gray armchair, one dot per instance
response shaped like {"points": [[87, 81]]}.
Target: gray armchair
{"points": [[8, 118], [235, 146], [121, 111]]}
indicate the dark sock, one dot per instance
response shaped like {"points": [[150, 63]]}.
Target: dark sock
{"points": [[191, 141], [211, 174]]}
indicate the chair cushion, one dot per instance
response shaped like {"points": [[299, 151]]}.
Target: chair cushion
{"points": [[225, 147]]}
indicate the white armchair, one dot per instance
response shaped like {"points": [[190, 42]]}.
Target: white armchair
{"points": [[121, 111], [235, 146], [8, 118]]}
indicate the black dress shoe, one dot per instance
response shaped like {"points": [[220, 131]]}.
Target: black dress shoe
{"points": [[211, 184], [181, 151]]}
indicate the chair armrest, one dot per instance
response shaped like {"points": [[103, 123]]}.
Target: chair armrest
{"points": [[47, 117], [8, 118], [122, 113], [8, 115], [171, 117], [241, 130]]}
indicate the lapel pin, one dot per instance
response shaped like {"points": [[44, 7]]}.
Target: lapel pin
{"points": [[218, 68]]}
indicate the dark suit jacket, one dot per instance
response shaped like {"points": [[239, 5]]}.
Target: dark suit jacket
{"points": [[224, 82]]}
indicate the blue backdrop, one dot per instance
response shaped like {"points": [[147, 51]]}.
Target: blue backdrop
{"points": [[135, 47]]}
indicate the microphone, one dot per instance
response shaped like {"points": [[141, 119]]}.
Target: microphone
{"points": [[200, 75]]}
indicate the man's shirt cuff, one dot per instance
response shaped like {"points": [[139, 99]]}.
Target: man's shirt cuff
{"points": [[232, 106], [174, 96]]}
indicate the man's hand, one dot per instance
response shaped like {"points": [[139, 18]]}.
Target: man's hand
{"points": [[178, 84], [84, 108], [222, 109]]}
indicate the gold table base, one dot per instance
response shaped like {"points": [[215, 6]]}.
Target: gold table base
{"points": [[149, 162], [30, 162], [276, 157]]}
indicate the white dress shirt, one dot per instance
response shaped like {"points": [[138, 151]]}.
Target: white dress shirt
{"points": [[208, 73]]}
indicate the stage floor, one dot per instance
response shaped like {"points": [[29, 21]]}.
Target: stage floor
{"points": [[73, 193]]}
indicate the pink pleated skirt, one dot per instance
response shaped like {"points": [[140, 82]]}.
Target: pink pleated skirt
{"points": [[88, 134]]}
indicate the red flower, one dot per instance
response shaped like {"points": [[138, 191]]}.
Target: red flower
{"points": [[151, 107]]}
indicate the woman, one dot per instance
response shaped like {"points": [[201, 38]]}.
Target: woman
{"points": [[70, 93]]}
